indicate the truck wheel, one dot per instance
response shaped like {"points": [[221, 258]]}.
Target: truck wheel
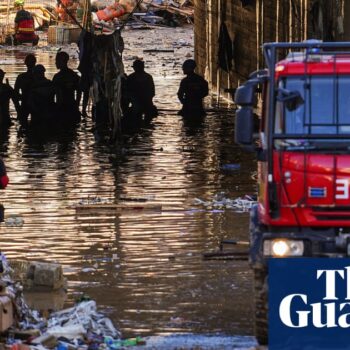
{"points": [[261, 305], [260, 277]]}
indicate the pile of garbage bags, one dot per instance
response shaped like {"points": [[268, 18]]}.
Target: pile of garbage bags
{"points": [[80, 326]]}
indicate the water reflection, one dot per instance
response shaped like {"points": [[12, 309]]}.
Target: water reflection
{"points": [[143, 267]]}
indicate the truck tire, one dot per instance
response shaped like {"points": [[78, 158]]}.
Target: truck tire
{"points": [[260, 285], [261, 305]]}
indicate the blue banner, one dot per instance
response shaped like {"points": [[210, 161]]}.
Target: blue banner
{"points": [[309, 304]]}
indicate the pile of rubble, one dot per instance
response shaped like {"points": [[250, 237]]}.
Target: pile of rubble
{"points": [[22, 328], [170, 12], [109, 15]]}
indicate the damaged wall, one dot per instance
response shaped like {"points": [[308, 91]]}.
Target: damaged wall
{"points": [[244, 25]]}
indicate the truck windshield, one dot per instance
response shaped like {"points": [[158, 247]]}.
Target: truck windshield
{"points": [[326, 108]]}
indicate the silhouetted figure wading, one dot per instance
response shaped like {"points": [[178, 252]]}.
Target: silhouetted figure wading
{"points": [[67, 87], [7, 93], [41, 98], [22, 88], [192, 90], [140, 90]]}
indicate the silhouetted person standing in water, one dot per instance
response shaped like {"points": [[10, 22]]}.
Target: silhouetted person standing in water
{"points": [[67, 87], [7, 93], [22, 87], [41, 98], [140, 91], [192, 90]]}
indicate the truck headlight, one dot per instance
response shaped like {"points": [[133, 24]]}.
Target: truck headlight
{"points": [[283, 247]]}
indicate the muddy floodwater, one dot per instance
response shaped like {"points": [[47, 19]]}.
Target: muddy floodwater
{"points": [[144, 268]]}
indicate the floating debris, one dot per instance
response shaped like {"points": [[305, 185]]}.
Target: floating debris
{"points": [[221, 202], [14, 221], [93, 200]]}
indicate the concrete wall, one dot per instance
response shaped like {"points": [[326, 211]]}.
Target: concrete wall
{"points": [[258, 22]]}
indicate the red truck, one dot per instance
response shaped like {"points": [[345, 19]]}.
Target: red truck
{"points": [[303, 152]]}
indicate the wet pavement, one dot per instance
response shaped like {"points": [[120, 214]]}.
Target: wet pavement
{"points": [[143, 268]]}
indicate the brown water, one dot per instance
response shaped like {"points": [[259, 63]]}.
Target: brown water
{"points": [[144, 269]]}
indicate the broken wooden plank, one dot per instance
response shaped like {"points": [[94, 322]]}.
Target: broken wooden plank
{"points": [[226, 254]]}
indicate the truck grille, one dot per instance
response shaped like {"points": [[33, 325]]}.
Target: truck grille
{"points": [[332, 213]]}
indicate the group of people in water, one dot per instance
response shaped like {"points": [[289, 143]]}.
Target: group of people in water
{"points": [[46, 101], [57, 101]]}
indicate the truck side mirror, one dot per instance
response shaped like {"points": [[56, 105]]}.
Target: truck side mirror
{"points": [[244, 126], [245, 94], [291, 99]]}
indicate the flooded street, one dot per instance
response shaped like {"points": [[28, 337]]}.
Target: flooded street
{"points": [[143, 268]]}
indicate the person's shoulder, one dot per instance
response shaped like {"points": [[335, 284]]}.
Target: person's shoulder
{"points": [[48, 81], [21, 76], [7, 88], [56, 76], [73, 74], [200, 78], [197, 76], [131, 76]]}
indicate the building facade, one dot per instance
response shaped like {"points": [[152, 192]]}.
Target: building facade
{"points": [[229, 33]]}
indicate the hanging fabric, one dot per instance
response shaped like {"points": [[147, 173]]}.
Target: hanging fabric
{"points": [[226, 49]]}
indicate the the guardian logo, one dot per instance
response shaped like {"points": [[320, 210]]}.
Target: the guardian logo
{"points": [[309, 304], [328, 309]]}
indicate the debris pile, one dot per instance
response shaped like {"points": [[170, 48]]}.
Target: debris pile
{"points": [[170, 10], [239, 205], [109, 15], [80, 326]]}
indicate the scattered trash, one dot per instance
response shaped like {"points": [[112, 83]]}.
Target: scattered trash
{"points": [[169, 8], [148, 17], [77, 327], [93, 200], [240, 205], [110, 16], [14, 221], [113, 344]]}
